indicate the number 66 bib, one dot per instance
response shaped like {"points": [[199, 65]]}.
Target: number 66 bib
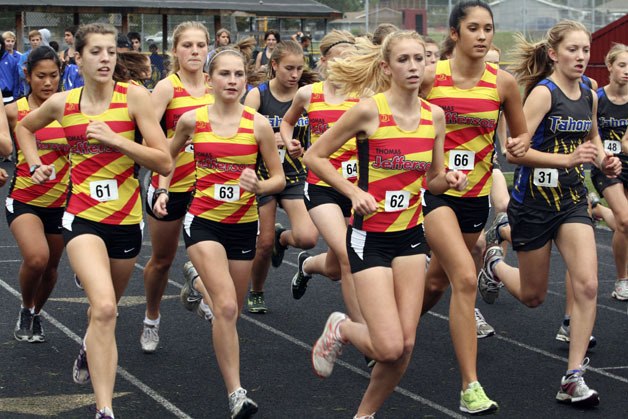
{"points": [[461, 160]]}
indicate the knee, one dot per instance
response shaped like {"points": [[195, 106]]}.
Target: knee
{"points": [[533, 300], [305, 240], [589, 289], [436, 285], [466, 284], [622, 224], [226, 310], [390, 350], [36, 263], [264, 246], [161, 264], [104, 312]]}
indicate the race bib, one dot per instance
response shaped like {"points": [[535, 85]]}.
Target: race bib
{"points": [[396, 201], [547, 178], [461, 160], [282, 154], [612, 146], [350, 169], [104, 190], [227, 193]]}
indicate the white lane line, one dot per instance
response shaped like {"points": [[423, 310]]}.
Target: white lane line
{"points": [[546, 353], [10, 260], [342, 363], [121, 371]]}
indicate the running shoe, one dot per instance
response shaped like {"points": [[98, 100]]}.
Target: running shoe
{"points": [[475, 401], [492, 233], [563, 335], [483, 329], [190, 297], [488, 285], [574, 390], [80, 370], [278, 249], [371, 416], [328, 347], [24, 326], [104, 413], [150, 338], [300, 279], [255, 302], [204, 312], [240, 405], [77, 282], [621, 290], [38, 330]]}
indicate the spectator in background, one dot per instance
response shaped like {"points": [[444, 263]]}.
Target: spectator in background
{"points": [[68, 37], [45, 36], [272, 38], [306, 43], [9, 77], [34, 37], [156, 60], [9, 44], [54, 45], [122, 43], [136, 41], [223, 38]]}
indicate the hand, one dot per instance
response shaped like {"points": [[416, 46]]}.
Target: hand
{"points": [[159, 205], [294, 149], [457, 180], [363, 202], [515, 147], [4, 176], [249, 181], [611, 166], [584, 153], [42, 174], [100, 131]]}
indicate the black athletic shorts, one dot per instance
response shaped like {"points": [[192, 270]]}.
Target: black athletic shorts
{"points": [[122, 241], [239, 240], [531, 229], [471, 213], [316, 195], [50, 217], [291, 191], [601, 181], [369, 250], [177, 205]]}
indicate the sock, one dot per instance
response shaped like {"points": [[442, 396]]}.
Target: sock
{"points": [[235, 391], [151, 322], [303, 267], [491, 266], [569, 373]]}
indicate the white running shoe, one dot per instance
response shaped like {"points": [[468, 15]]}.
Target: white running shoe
{"points": [[328, 347], [150, 338], [483, 329], [240, 405], [621, 290]]}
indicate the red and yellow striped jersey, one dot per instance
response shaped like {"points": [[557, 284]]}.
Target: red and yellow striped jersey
{"points": [[471, 118], [53, 149], [322, 116], [182, 101], [219, 164], [105, 188], [392, 163]]}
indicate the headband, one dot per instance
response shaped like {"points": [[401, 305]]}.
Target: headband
{"points": [[235, 51], [334, 44]]}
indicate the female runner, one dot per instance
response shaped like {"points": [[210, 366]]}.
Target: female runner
{"points": [[221, 224], [34, 211], [102, 223], [471, 92], [400, 138], [166, 203], [549, 199]]}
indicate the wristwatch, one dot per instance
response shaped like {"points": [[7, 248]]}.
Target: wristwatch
{"points": [[33, 168]]}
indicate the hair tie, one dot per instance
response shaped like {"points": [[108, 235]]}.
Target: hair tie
{"points": [[334, 44]]}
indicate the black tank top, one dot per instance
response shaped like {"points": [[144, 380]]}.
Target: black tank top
{"points": [[612, 122], [562, 130], [274, 110]]}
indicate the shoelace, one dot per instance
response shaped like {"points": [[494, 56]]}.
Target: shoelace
{"points": [[479, 317], [151, 332], [331, 347], [236, 397], [480, 394]]}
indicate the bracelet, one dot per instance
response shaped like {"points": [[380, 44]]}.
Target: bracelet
{"points": [[159, 191]]}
